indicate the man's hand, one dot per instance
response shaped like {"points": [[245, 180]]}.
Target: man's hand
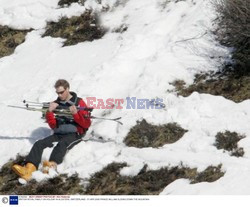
{"points": [[73, 109], [52, 106]]}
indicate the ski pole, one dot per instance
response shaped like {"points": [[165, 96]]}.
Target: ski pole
{"points": [[60, 107], [46, 105], [115, 119], [33, 102], [61, 112], [28, 108]]}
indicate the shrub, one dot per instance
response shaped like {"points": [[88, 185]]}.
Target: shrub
{"points": [[234, 31]]}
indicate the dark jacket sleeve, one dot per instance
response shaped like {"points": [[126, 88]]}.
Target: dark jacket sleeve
{"points": [[82, 117]]}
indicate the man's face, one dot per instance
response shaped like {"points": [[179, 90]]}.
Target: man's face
{"points": [[62, 93]]}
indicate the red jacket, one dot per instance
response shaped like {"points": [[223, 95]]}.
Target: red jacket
{"points": [[83, 122]]}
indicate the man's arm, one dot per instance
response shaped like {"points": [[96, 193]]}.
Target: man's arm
{"points": [[50, 117], [82, 117]]}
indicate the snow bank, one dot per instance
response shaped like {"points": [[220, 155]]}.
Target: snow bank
{"points": [[163, 42]]}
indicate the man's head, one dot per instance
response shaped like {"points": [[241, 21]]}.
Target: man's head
{"points": [[62, 89]]}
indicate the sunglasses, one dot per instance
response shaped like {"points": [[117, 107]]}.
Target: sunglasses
{"points": [[60, 93]]}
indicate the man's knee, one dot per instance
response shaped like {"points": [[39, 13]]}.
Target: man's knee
{"points": [[64, 145], [43, 144], [38, 143], [61, 144]]}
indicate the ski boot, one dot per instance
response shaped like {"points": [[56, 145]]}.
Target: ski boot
{"points": [[24, 172], [48, 165]]}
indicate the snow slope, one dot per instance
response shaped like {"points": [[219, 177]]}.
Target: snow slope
{"points": [[163, 42]]}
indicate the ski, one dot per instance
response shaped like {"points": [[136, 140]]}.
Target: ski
{"points": [[114, 119], [33, 106]]}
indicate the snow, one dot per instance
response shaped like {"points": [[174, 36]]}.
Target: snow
{"points": [[163, 42]]}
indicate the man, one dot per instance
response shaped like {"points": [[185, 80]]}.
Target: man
{"points": [[67, 131]]}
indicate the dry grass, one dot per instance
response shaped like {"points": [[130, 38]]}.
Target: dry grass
{"points": [[148, 182], [10, 39], [229, 141], [108, 181], [235, 89], [69, 2], [144, 134], [76, 29]]}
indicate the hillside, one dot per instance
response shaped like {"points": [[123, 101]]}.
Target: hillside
{"points": [[123, 50]]}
